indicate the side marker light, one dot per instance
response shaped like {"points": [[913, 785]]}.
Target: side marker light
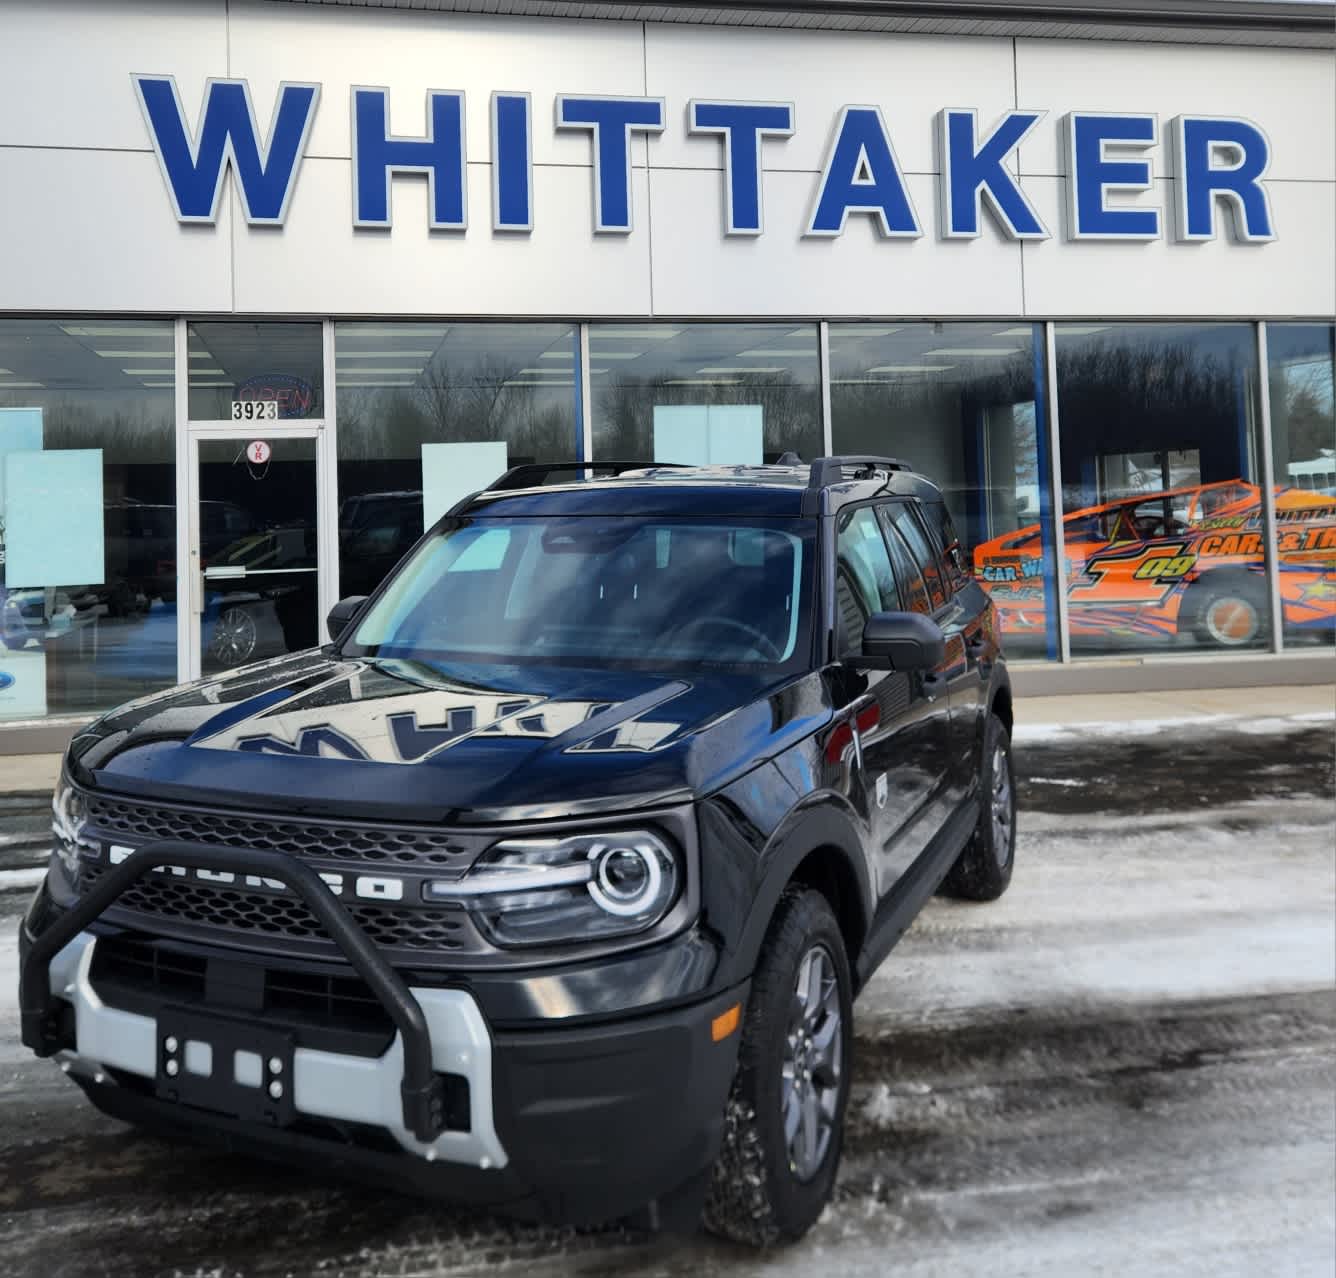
{"points": [[725, 1023]]}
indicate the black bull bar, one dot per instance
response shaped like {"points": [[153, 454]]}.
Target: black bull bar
{"points": [[421, 1090]]}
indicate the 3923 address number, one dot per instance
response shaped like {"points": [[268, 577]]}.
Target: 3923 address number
{"points": [[254, 410]]}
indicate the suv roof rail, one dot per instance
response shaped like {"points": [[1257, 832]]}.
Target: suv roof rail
{"points": [[533, 474], [830, 470]]}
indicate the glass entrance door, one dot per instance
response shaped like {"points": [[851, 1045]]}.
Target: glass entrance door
{"points": [[256, 547]]}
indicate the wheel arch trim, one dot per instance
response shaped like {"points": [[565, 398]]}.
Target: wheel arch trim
{"points": [[825, 839]]}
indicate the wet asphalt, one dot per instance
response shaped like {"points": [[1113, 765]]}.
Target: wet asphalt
{"points": [[1128, 1066], [1173, 769]]}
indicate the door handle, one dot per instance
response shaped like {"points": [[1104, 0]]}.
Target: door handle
{"points": [[975, 648]]}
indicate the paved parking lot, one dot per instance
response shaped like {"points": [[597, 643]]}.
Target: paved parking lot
{"points": [[1124, 1066]]}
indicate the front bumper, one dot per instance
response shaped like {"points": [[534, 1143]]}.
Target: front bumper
{"points": [[329, 1085], [578, 1125]]}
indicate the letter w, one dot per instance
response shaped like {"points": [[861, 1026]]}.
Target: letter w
{"points": [[193, 167], [314, 743]]}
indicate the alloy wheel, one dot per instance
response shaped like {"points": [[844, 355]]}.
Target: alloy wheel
{"points": [[233, 638], [813, 1064], [1002, 806]]}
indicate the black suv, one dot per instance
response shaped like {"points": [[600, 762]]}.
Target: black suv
{"points": [[549, 883]]}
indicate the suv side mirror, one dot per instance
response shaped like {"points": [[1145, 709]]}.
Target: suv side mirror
{"points": [[342, 613], [902, 641]]}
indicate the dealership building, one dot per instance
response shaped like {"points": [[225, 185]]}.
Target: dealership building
{"points": [[281, 281]]}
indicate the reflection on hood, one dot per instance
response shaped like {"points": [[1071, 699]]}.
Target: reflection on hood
{"points": [[404, 714], [481, 739]]}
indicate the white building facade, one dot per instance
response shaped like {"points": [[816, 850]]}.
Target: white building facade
{"points": [[278, 281]]}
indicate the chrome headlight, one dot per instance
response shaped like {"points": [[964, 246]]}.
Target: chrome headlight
{"points": [[68, 818], [585, 886]]}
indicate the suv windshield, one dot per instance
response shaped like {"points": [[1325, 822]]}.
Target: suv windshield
{"points": [[658, 593]]}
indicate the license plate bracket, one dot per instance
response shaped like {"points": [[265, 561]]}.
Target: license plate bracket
{"points": [[229, 1065]]}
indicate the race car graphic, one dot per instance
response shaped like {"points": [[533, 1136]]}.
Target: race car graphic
{"points": [[1182, 561]]}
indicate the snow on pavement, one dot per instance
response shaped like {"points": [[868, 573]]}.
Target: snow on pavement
{"points": [[1125, 1066]]}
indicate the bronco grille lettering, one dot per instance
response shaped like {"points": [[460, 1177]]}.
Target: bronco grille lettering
{"points": [[372, 887]]}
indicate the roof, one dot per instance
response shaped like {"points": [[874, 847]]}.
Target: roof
{"points": [[1264, 23], [774, 490]]}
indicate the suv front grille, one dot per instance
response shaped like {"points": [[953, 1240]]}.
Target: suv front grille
{"points": [[409, 929], [387, 844], [208, 905]]}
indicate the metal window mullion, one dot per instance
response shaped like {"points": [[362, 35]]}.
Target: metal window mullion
{"points": [[1268, 479], [1055, 490], [187, 508], [327, 486], [586, 423], [823, 351]]}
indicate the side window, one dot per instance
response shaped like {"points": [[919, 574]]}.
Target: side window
{"points": [[1158, 518], [864, 579], [912, 587], [904, 521]]}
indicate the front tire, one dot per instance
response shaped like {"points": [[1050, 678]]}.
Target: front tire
{"points": [[983, 869], [784, 1126]]}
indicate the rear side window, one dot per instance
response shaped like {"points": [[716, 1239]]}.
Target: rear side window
{"points": [[943, 527], [903, 520], [913, 590]]}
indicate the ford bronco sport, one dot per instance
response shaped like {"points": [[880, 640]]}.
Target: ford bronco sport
{"points": [[549, 883]]}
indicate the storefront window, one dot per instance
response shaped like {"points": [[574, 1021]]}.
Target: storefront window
{"points": [[1303, 441], [1163, 516], [427, 413], [87, 514], [736, 394], [236, 361], [964, 404]]}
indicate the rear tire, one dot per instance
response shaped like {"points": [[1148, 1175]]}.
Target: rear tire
{"points": [[1230, 613], [983, 869], [784, 1125]]}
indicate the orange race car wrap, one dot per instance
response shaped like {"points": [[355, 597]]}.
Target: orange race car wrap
{"points": [[1182, 560]]}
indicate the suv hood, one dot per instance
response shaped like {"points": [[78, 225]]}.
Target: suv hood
{"points": [[320, 733]]}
